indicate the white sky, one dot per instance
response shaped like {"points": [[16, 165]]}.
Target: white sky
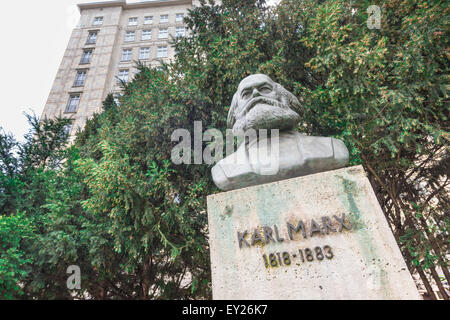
{"points": [[34, 34]]}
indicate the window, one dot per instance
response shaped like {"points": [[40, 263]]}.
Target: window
{"points": [[162, 52], [80, 78], [146, 34], [163, 33], [133, 21], [123, 75], [179, 17], [98, 21], [144, 54], [72, 105], [164, 18], [92, 37], [148, 20], [86, 57], [126, 55], [129, 36], [180, 32]]}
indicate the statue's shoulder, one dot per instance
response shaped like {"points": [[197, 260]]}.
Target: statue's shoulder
{"points": [[313, 147], [230, 170]]}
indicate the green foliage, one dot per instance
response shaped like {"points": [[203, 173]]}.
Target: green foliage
{"points": [[15, 264], [9, 184], [150, 211], [27, 172], [383, 92], [135, 223]]}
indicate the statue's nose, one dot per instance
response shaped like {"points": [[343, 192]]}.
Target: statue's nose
{"points": [[256, 93]]}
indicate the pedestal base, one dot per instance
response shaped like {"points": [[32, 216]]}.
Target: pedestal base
{"points": [[321, 236]]}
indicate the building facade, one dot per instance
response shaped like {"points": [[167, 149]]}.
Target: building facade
{"points": [[103, 48]]}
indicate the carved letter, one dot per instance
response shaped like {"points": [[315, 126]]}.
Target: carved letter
{"points": [[300, 225], [315, 227], [256, 237], [326, 223], [241, 239], [342, 223], [277, 235], [268, 234]]}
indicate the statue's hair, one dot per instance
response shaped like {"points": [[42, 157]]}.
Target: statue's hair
{"points": [[292, 101]]}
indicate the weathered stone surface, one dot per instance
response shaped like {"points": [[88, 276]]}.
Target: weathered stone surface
{"points": [[339, 212], [297, 155], [259, 105]]}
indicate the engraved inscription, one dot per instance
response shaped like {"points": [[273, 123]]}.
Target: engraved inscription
{"points": [[285, 259], [293, 231]]}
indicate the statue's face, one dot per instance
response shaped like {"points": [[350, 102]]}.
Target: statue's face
{"points": [[261, 104]]}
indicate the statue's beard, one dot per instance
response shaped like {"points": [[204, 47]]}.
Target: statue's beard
{"points": [[265, 113]]}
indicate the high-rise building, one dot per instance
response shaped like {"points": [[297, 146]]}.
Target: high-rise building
{"points": [[103, 48]]}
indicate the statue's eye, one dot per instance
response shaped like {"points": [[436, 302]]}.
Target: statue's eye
{"points": [[246, 94], [265, 89]]}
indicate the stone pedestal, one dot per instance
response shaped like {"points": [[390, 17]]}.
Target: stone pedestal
{"points": [[321, 236]]}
